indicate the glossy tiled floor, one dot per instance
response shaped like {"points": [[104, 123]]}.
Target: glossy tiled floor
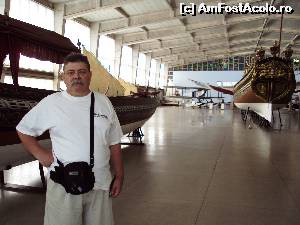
{"points": [[198, 167]]}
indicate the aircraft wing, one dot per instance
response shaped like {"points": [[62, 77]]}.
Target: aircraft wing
{"points": [[186, 88], [201, 84], [223, 90], [212, 87]]}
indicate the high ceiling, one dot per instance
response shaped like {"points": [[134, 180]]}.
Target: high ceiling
{"points": [[156, 27]]}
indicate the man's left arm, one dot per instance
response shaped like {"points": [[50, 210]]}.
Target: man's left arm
{"points": [[117, 164]]}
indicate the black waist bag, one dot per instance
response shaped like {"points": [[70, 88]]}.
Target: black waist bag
{"points": [[78, 177]]}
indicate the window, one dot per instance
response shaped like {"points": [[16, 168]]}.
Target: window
{"points": [[195, 68], [204, 66], [140, 78], [32, 82], [199, 66], [162, 77], [106, 53], [30, 12], [76, 31], [236, 63], [241, 66], [126, 64], [152, 77]]}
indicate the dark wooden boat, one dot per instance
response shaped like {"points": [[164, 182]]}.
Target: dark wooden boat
{"points": [[267, 85], [17, 37], [15, 102]]}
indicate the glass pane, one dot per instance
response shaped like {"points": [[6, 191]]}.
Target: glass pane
{"points": [[236, 59], [31, 12], [236, 66], [199, 66], [106, 53], [204, 66], [225, 66], [241, 66], [215, 66], [241, 60], [210, 65], [195, 66]]}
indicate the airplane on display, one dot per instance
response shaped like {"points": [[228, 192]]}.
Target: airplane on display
{"points": [[195, 96]]}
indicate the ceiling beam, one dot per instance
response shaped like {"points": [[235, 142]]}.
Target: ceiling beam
{"points": [[211, 53], [266, 20], [122, 12], [165, 33], [119, 25], [219, 47], [45, 3], [74, 9], [226, 31], [185, 28]]}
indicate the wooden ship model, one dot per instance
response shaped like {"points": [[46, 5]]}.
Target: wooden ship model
{"points": [[267, 84], [17, 37]]}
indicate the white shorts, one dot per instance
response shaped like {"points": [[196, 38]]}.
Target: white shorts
{"points": [[92, 208]]}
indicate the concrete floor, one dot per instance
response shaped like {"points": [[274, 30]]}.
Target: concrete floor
{"points": [[198, 167]]}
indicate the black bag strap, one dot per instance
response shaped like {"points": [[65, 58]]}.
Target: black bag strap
{"points": [[91, 133], [92, 130]]}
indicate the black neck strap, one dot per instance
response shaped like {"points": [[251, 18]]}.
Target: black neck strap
{"points": [[92, 130]]}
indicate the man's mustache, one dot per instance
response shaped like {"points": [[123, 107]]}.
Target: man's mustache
{"points": [[75, 82]]}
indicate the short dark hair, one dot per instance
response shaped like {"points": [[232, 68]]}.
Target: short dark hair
{"points": [[77, 57]]}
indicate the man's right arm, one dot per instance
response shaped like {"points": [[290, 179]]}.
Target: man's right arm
{"points": [[44, 156]]}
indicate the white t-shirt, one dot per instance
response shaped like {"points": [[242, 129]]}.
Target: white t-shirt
{"points": [[68, 120]]}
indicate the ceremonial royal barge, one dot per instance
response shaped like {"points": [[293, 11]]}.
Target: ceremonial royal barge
{"points": [[267, 85]]}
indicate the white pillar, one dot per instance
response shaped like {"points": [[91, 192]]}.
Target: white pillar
{"points": [[59, 27], [157, 70], [135, 57], [165, 75], [118, 55], [147, 69], [94, 38], [4, 7]]}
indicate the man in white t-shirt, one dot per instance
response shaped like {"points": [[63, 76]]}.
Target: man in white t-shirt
{"points": [[66, 115]]}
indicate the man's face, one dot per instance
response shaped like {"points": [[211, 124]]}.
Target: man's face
{"points": [[77, 78]]}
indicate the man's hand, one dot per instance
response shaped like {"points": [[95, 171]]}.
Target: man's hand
{"points": [[116, 187], [117, 164], [45, 158], [31, 144]]}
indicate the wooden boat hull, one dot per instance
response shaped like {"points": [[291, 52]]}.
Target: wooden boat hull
{"points": [[132, 112]]}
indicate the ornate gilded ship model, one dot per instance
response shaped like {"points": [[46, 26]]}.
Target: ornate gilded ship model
{"points": [[268, 83]]}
